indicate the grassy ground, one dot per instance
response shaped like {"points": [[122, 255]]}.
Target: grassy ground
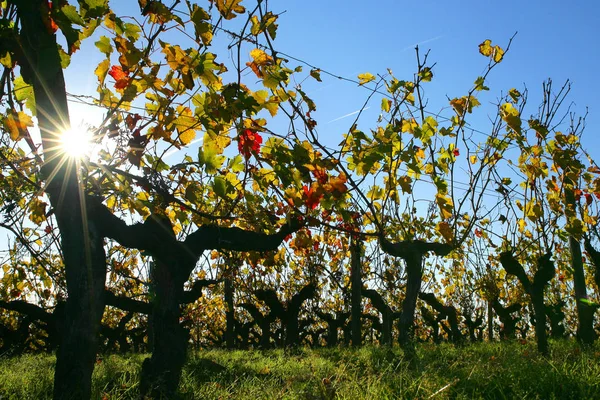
{"points": [[490, 371]]}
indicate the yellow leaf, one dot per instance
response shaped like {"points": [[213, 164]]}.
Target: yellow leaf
{"points": [[228, 8], [498, 54], [405, 183], [409, 125], [445, 230], [426, 74], [185, 124], [486, 48], [376, 193], [511, 116], [445, 205], [464, 103], [338, 184], [272, 107], [450, 289], [365, 78], [158, 132], [102, 70], [473, 159], [16, 124], [386, 104], [37, 208], [261, 58], [187, 137], [419, 154], [522, 224], [177, 59]]}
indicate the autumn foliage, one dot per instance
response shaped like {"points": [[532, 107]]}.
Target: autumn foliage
{"points": [[429, 216]]}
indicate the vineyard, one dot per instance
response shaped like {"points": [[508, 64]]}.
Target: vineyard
{"points": [[210, 209]]}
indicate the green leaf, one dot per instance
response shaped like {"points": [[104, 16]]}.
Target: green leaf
{"points": [[202, 27], [102, 70], [93, 8], [316, 73], [514, 94], [220, 186], [426, 75], [24, 94], [70, 12], [479, 84], [386, 104], [65, 59], [511, 116], [132, 31], [193, 193], [236, 164]]}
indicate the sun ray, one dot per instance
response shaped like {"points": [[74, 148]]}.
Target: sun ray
{"points": [[76, 142]]}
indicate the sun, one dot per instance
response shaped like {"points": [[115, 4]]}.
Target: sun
{"points": [[76, 142]]}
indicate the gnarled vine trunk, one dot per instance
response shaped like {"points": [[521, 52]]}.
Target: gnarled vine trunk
{"points": [[82, 244], [356, 279]]}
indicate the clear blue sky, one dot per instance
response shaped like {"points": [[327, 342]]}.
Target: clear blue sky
{"points": [[556, 39]]}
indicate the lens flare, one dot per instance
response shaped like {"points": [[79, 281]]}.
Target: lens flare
{"points": [[76, 143]]}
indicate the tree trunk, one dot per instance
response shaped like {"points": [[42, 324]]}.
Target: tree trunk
{"points": [[265, 336], [292, 334], [387, 315], [356, 279], [537, 299], [161, 373], [448, 312], [508, 321], [82, 245], [556, 316], [332, 331], [490, 321], [292, 325], [229, 314], [413, 287], [585, 313], [76, 354]]}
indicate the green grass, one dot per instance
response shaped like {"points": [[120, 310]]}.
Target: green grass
{"points": [[489, 371]]}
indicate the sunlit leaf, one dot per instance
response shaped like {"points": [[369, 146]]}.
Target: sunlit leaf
{"points": [[498, 54], [486, 48], [16, 123], [365, 78], [316, 73], [445, 230], [229, 8]]}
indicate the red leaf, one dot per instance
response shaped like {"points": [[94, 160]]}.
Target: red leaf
{"points": [[117, 72], [249, 142], [320, 175], [121, 77], [311, 197], [456, 153], [131, 120]]}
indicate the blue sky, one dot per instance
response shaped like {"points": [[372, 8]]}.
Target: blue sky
{"points": [[555, 39]]}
